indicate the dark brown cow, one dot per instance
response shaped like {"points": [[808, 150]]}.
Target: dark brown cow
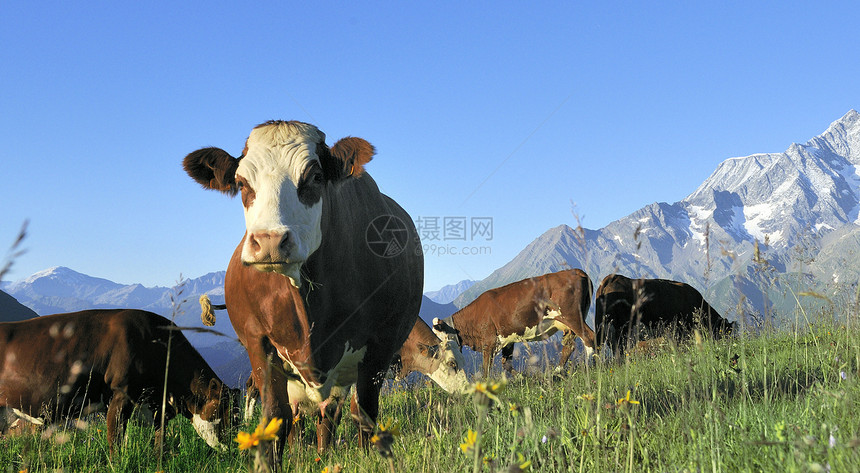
{"points": [[326, 284], [656, 304], [528, 310], [64, 365]]}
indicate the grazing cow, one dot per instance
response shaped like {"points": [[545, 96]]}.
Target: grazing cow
{"points": [[326, 283], [441, 360], [528, 310], [64, 365], [655, 304]]}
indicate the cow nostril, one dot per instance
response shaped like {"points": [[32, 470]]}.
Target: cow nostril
{"points": [[285, 241], [255, 245]]}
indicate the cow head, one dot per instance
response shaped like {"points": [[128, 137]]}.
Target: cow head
{"points": [[281, 175], [447, 333], [446, 365], [723, 328], [213, 410]]}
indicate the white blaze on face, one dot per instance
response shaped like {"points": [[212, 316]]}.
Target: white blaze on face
{"points": [[208, 432], [277, 159], [449, 375]]}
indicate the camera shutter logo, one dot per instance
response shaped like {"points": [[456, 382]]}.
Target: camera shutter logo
{"points": [[386, 236]]}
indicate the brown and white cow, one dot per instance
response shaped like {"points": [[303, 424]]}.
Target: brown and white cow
{"points": [[624, 306], [326, 283], [441, 360], [64, 365], [528, 310]]}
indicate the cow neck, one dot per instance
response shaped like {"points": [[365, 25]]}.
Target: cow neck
{"points": [[465, 321]]}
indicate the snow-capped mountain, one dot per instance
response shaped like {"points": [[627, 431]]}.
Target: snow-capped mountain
{"points": [[450, 292], [790, 202]]}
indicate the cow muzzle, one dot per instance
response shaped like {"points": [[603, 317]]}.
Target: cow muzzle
{"points": [[270, 247], [273, 251]]}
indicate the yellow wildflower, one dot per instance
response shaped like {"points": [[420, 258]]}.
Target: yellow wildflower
{"points": [[522, 464], [469, 441], [261, 433], [383, 439], [246, 440], [587, 397], [390, 426], [270, 432], [487, 393], [626, 400]]}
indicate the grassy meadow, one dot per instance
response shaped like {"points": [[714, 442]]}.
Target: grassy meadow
{"points": [[782, 400]]}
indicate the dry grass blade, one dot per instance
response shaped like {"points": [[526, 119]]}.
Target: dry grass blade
{"points": [[14, 251], [196, 330]]}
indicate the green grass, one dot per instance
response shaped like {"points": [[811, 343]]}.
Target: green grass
{"points": [[779, 401]]}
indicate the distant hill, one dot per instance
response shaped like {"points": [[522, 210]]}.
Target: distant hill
{"points": [[229, 360], [431, 309], [12, 311], [450, 292], [61, 289]]}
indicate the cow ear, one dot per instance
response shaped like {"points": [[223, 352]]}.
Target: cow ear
{"points": [[213, 168], [346, 158], [214, 387]]}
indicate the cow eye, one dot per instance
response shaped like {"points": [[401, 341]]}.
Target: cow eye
{"points": [[311, 185]]}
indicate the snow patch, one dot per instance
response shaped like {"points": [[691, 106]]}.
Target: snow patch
{"points": [[755, 216]]}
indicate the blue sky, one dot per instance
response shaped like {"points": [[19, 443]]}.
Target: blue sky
{"points": [[508, 110]]}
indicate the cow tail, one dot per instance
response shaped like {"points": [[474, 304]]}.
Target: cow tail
{"points": [[207, 314]]}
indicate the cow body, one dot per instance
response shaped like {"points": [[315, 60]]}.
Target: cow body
{"points": [[65, 365], [528, 310], [315, 299], [624, 306]]}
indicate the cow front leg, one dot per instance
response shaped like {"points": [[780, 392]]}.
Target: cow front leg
{"points": [[488, 353], [365, 405], [119, 409], [330, 413], [297, 429], [568, 344], [272, 383]]}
